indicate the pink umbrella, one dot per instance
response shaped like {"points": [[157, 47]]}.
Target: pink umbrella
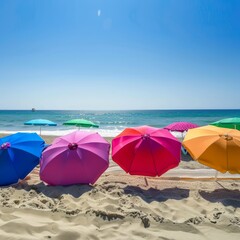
{"points": [[146, 151], [78, 157], [180, 126]]}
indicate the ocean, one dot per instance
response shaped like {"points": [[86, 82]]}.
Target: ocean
{"points": [[110, 123]]}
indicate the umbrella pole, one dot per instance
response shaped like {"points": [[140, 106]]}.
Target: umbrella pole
{"points": [[216, 174], [40, 130], [146, 181]]}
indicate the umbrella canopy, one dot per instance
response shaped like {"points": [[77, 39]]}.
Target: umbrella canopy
{"points": [[19, 154], [180, 126], [215, 147], [80, 123], [228, 123], [78, 157], [146, 151], [40, 122]]}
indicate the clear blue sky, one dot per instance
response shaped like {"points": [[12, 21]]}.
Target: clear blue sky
{"points": [[119, 54]]}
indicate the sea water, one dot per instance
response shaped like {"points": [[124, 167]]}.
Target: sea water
{"points": [[110, 123]]}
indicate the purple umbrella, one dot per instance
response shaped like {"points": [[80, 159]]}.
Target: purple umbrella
{"points": [[180, 126], [76, 158]]}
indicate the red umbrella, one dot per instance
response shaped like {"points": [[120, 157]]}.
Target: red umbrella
{"points": [[146, 151], [180, 126]]}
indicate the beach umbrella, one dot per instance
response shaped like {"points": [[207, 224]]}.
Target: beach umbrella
{"points": [[40, 123], [146, 151], [80, 123], [215, 147], [19, 154], [228, 123], [180, 126], [76, 158]]}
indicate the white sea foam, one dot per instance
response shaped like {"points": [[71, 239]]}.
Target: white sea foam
{"points": [[102, 132]]}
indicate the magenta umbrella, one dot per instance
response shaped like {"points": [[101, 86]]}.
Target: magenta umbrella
{"points": [[180, 126], [146, 151], [76, 158]]}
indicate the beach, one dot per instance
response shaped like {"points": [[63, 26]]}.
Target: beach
{"points": [[121, 206], [149, 73]]}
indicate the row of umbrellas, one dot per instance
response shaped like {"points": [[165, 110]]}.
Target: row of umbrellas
{"points": [[176, 126], [73, 122], [233, 123], [81, 157]]}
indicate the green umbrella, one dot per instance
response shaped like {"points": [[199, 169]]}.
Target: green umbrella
{"points": [[80, 123], [228, 123]]}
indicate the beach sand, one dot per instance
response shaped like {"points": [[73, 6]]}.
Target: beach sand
{"points": [[120, 206]]}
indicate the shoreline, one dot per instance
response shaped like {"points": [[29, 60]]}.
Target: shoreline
{"points": [[106, 133], [58, 133]]}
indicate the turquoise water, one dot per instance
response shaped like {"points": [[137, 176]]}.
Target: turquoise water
{"points": [[110, 122]]}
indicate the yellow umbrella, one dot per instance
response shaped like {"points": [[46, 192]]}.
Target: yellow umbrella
{"points": [[215, 147]]}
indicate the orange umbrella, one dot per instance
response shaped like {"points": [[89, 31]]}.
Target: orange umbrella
{"points": [[215, 147]]}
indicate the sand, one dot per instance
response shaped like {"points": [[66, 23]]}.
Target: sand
{"points": [[120, 206]]}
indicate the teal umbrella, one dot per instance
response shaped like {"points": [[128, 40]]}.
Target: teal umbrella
{"points": [[40, 122], [80, 123], [228, 123]]}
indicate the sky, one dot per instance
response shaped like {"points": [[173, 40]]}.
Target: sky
{"points": [[119, 54]]}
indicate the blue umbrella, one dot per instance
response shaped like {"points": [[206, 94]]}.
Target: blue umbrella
{"points": [[40, 122], [19, 154]]}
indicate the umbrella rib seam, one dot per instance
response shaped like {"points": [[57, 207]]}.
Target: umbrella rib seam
{"points": [[154, 163]]}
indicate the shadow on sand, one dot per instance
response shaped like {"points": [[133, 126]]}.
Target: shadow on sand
{"points": [[225, 196], [56, 191], [151, 194]]}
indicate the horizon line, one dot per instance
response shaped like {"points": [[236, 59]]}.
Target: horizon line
{"points": [[151, 109]]}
